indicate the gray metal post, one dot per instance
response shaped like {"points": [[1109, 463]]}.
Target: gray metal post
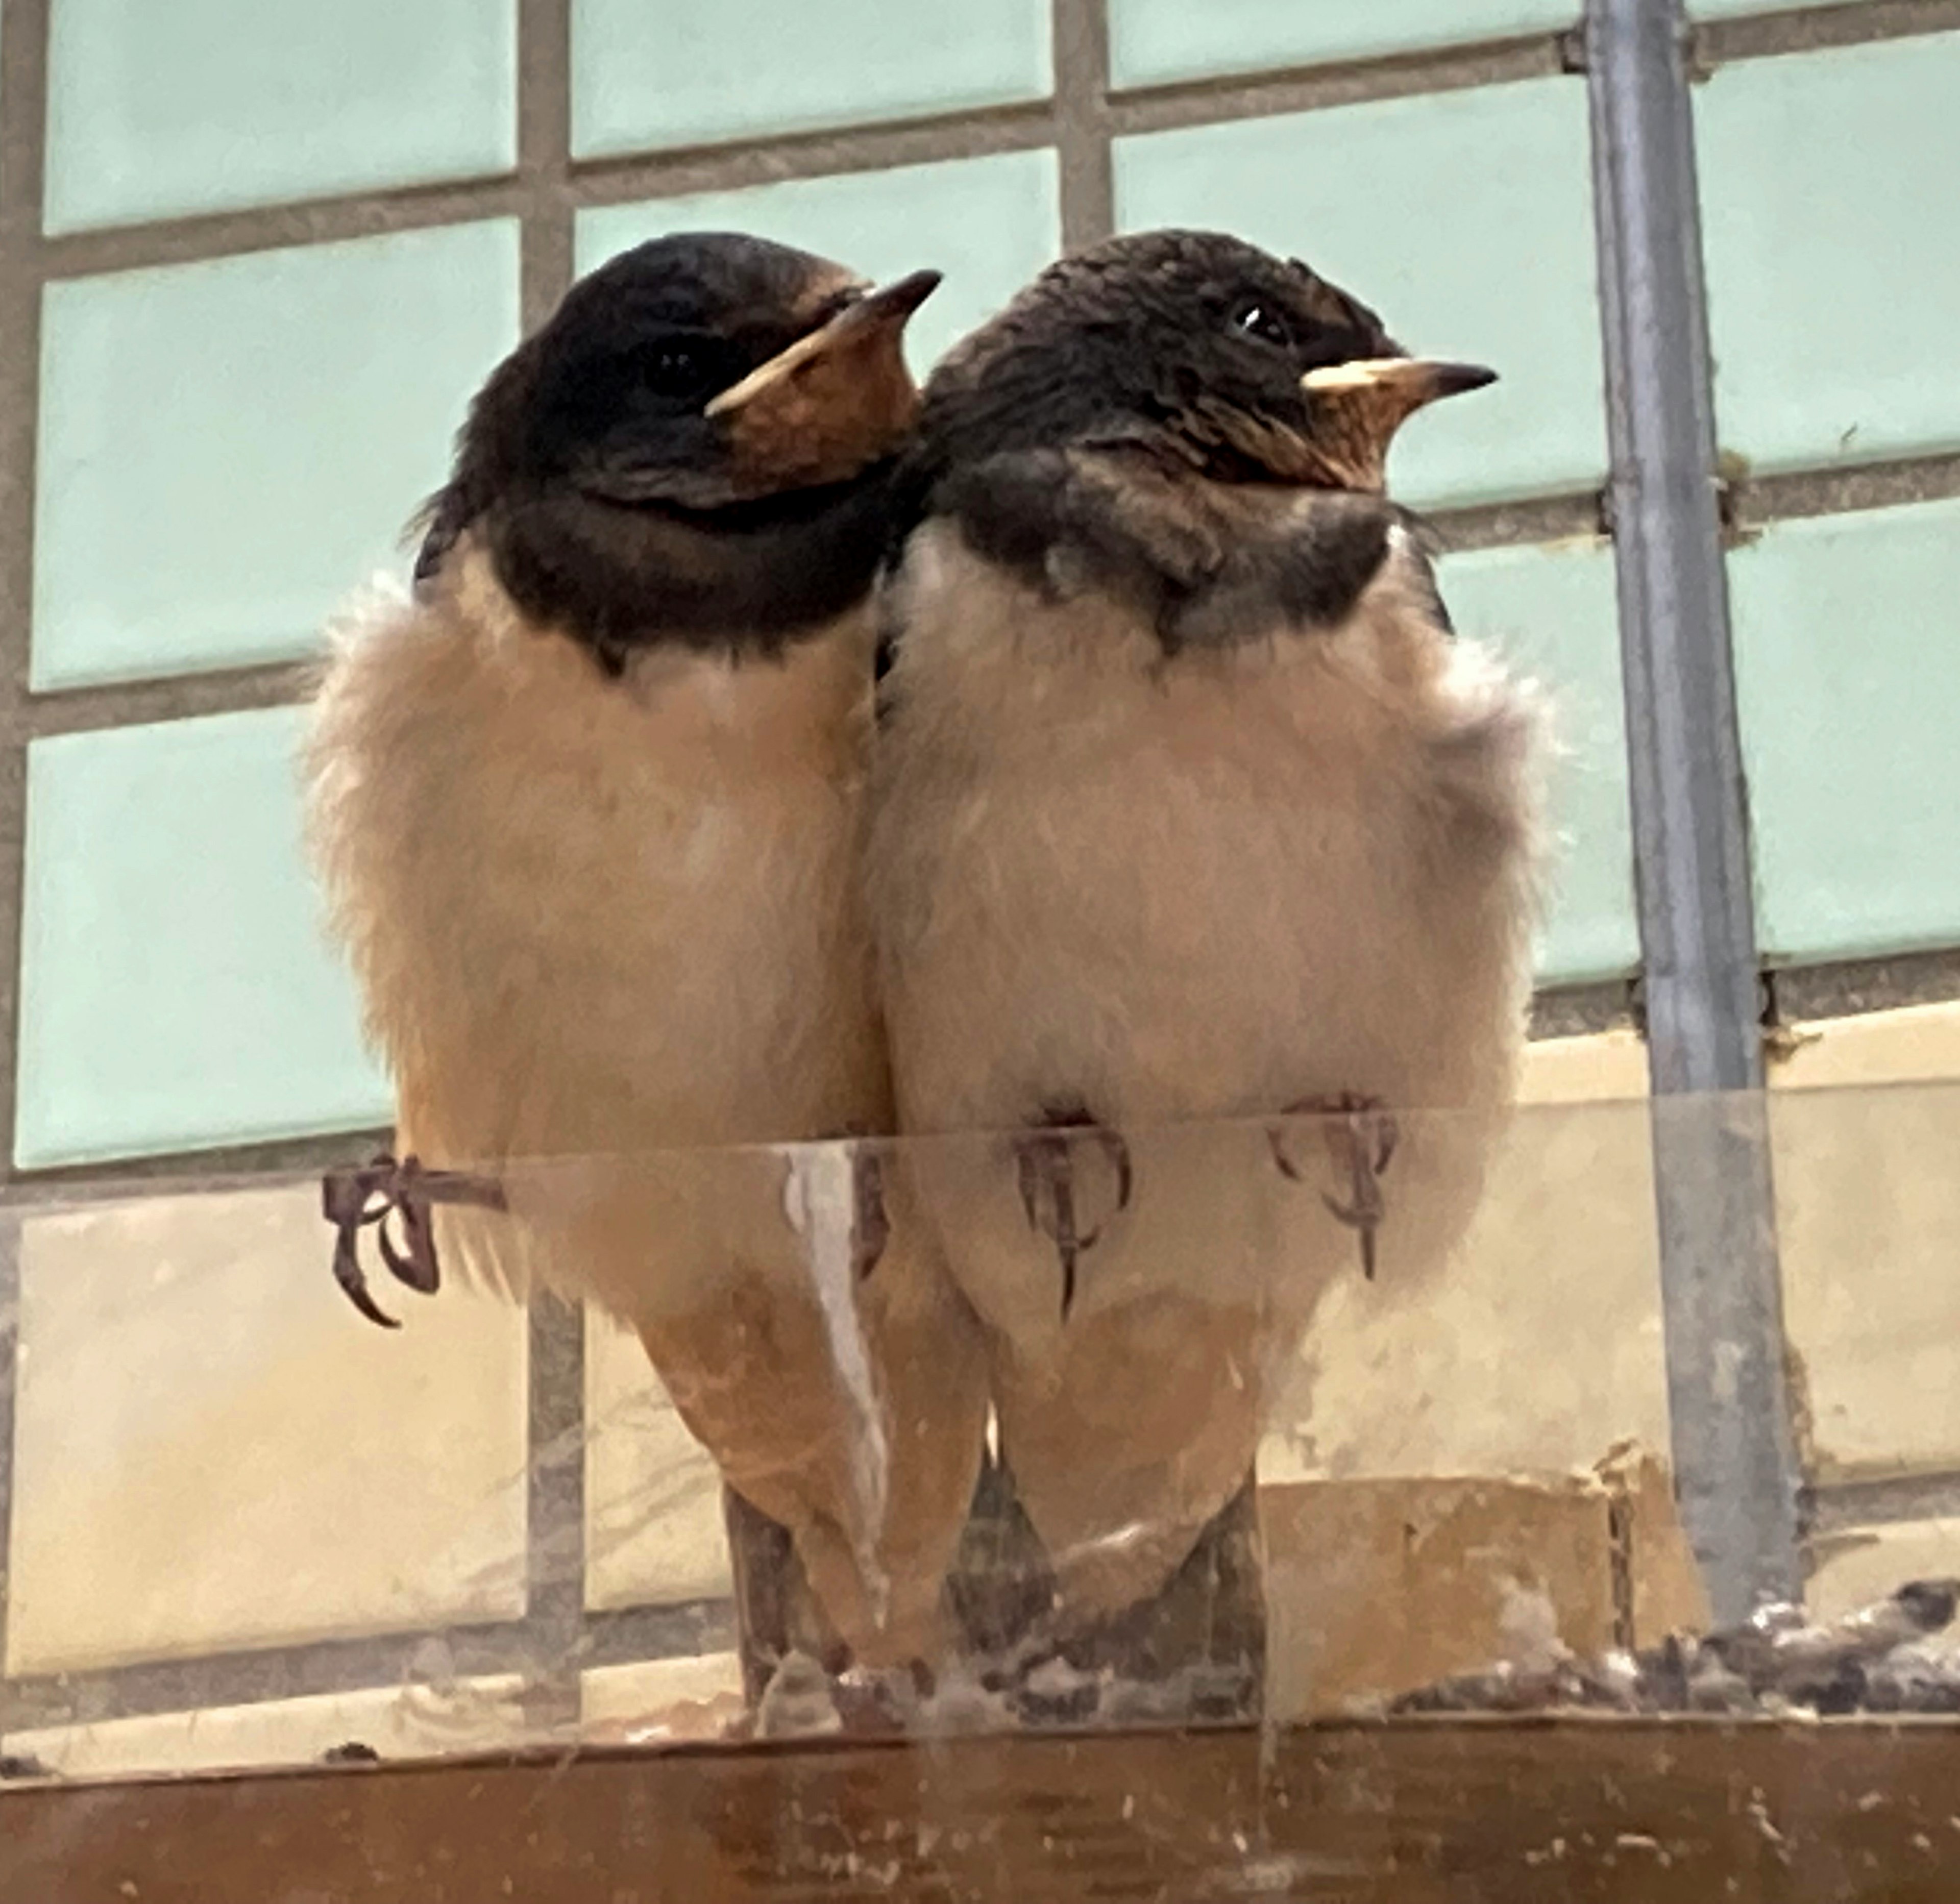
{"points": [[1735, 1464]]}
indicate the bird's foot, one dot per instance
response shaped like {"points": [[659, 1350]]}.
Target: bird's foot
{"points": [[364, 1196], [1045, 1160], [1361, 1138], [807, 1698]]}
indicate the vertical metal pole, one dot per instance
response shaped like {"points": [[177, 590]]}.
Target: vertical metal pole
{"points": [[1735, 1464]]}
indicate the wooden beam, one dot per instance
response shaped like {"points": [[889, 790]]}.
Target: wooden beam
{"points": [[1419, 1812]]}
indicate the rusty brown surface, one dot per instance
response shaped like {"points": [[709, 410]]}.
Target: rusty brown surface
{"points": [[1545, 1813]]}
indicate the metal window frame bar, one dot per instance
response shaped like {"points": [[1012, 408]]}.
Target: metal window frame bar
{"points": [[1696, 1013]]}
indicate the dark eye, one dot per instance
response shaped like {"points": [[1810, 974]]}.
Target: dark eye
{"points": [[676, 367], [1261, 321], [674, 370]]}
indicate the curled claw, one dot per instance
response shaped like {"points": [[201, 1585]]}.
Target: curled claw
{"points": [[1119, 1154], [348, 1273], [365, 1196], [413, 1262], [1046, 1169], [1361, 1138], [1363, 1214]]}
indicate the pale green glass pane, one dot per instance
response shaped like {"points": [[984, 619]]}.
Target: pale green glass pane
{"points": [[1553, 612], [162, 107], [1466, 219], [1152, 42], [228, 450], [175, 991], [1834, 287], [671, 72], [989, 224], [1846, 627]]}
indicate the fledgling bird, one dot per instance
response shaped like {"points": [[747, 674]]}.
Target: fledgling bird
{"points": [[584, 806], [1186, 806]]}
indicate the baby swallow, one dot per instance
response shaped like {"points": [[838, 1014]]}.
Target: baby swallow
{"points": [[1186, 806], [585, 805]]}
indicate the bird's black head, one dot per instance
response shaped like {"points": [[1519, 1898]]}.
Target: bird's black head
{"points": [[696, 447], [1194, 347]]}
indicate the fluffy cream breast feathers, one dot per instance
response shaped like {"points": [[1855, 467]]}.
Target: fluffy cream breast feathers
{"points": [[1189, 812], [585, 805]]}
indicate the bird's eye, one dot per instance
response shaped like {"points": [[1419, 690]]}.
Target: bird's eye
{"points": [[679, 367], [673, 370], [1261, 321]]}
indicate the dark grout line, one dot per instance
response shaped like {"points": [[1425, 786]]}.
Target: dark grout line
{"points": [[20, 358], [1544, 519], [1020, 127], [544, 153], [319, 221], [10, 1343], [381, 1663], [1818, 29], [555, 1547], [187, 697], [1577, 1011], [1755, 501], [547, 264], [1304, 89], [555, 1531], [1081, 43], [23, 48], [1840, 1507], [98, 1695], [1846, 988], [544, 88], [632, 1636], [211, 1172], [24, 66]]}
